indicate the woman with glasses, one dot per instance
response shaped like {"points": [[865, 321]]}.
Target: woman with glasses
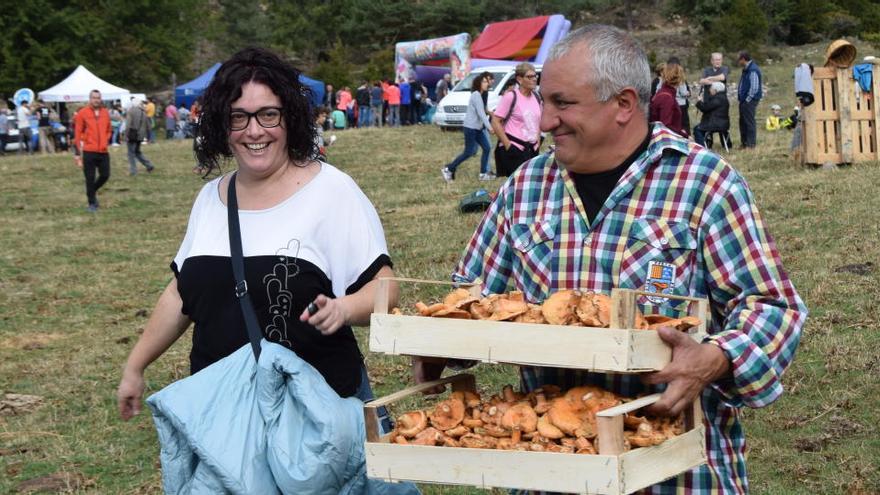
{"points": [[475, 120], [313, 243], [517, 122]]}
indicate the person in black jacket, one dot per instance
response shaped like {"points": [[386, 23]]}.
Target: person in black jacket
{"points": [[716, 115]]}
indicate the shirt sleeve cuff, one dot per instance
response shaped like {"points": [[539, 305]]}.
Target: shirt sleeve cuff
{"points": [[749, 383]]}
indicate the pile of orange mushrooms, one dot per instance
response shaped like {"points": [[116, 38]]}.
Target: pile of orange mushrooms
{"points": [[544, 420], [566, 307]]}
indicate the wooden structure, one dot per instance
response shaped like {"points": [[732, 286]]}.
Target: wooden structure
{"points": [[611, 472], [621, 348], [841, 126]]}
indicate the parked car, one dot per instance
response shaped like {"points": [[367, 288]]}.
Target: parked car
{"points": [[451, 109], [12, 137]]}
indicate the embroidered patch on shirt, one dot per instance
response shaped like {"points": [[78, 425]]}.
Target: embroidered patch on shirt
{"points": [[661, 279]]}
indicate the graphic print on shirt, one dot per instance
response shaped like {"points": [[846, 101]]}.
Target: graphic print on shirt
{"points": [[279, 295]]}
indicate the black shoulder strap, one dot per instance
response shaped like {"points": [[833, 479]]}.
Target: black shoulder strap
{"points": [[241, 288]]}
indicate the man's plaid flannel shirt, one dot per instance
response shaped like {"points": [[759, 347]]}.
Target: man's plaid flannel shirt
{"points": [[680, 206]]}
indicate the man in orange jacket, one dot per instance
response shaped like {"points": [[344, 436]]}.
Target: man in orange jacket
{"points": [[91, 136]]}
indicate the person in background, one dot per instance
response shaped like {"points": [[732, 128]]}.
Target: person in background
{"points": [[116, 119], [773, 120], [393, 94], [91, 136], [405, 100], [657, 82], [170, 120], [682, 94], [362, 97], [320, 144], [618, 200], [716, 115], [195, 113], [46, 135], [150, 110], [136, 128], [256, 112], [376, 100], [23, 120], [339, 119], [475, 120], [664, 108], [4, 129], [517, 122], [749, 95], [716, 72], [343, 99], [442, 87]]}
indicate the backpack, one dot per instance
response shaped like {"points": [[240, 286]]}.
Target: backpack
{"points": [[478, 200]]}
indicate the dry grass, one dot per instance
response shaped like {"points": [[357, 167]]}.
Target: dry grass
{"points": [[75, 290]]}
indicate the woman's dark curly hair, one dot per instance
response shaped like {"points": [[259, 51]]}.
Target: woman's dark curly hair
{"points": [[261, 66]]}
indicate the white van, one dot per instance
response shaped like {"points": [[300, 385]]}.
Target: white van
{"points": [[451, 109]]}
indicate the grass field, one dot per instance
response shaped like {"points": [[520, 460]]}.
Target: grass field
{"points": [[76, 289]]}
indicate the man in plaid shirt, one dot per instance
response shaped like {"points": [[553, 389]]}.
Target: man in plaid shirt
{"points": [[625, 203]]}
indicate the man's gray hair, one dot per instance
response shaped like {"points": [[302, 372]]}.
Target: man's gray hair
{"points": [[616, 61]]}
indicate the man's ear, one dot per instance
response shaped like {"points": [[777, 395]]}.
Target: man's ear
{"points": [[627, 106]]}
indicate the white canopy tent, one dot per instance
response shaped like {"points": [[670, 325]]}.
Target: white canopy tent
{"points": [[79, 84]]}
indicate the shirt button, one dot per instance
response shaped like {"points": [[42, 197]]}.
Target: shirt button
{"points": [[664, 241]]}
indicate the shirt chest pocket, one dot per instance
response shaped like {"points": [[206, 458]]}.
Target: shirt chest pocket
{"points": [[533, 246], [659, 257]]}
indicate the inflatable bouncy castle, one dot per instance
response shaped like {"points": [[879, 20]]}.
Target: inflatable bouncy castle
{"points": [[500, 43]]}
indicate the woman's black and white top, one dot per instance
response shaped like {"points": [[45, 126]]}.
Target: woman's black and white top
{"points": [[324, 239]]}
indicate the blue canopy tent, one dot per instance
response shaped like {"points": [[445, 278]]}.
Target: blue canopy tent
{"points": [[186, 93]]}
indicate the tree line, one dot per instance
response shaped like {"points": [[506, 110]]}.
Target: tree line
{"points": [[139, 44]]}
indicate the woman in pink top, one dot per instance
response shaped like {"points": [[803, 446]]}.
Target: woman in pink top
{"points": [[517, 122]]}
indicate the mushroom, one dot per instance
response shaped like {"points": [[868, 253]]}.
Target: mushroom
{"points": [[541, 403], [457, 431], [680, 324], [428, 436], [506, 309], [518, 419], [447, 414], [547, 430], [533, 315], [475, 441], [563, 415], [481, 310], [411, 423], [594, 310], [452, 312], [457, 296], [558, 309], [584, 446]]}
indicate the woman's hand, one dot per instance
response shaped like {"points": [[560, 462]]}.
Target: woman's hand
{"points": [[330, 316], [129, 394]]}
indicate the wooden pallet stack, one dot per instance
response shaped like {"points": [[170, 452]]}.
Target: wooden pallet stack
{"points": [[841, 126]]}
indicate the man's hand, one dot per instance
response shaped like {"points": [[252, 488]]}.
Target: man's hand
{"points": [[692, 368], [77, 159], [426, 369]]}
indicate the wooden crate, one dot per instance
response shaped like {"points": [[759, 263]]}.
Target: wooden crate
{"points": [[841, 126], [612, 471], [620, 348]]}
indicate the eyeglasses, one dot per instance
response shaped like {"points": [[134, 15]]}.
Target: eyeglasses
{"points": [[530, 76], [267, 117]]}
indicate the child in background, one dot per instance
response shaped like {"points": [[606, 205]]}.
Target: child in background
{"points": [[338, 118], [321, 145], [772, 123]]}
